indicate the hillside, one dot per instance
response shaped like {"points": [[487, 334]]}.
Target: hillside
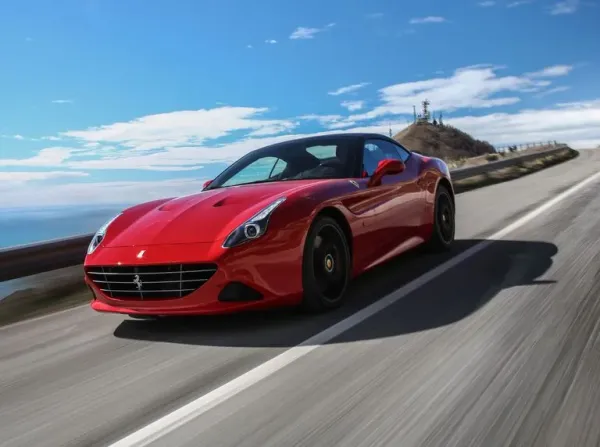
{"points": [[442, 141]]}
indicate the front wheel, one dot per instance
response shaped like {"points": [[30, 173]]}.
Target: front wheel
{"points": [[442, 236], [326, 266]]}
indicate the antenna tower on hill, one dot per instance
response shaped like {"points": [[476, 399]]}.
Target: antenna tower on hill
{"points": [[426, 115]]}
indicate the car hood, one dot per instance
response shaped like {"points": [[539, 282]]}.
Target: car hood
{"points": [[203, 217]]}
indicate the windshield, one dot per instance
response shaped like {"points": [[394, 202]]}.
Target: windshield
{"points": [[294, 160]]}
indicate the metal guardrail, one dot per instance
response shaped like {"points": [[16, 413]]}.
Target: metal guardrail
{"points": [[523, 146], [31, 259]]}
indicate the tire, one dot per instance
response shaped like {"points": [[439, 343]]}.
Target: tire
{"points": [[326, 266], [444, 225]]}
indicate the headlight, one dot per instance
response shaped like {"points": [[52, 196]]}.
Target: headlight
{"points": [[253, 228], [99, 236]]}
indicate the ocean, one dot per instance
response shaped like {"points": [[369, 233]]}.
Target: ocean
{"points": [[27, 226], [20, 226]]}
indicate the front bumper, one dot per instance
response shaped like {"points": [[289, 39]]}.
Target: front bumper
{"points": [[258, 275]]}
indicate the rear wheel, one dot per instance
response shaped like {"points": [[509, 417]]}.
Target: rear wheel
{"points": [[443, 221], [326, 266]]}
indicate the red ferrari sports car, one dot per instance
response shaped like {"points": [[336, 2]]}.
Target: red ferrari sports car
{"points": [[287, 224]]}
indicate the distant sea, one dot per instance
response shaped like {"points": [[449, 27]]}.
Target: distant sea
{"points": [[20, 226]]}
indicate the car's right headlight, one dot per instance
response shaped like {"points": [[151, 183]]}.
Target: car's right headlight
{"points": [[99, 236]]}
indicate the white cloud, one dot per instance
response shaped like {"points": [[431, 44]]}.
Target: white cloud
{"points": [[271, 41], [308, 33], [304, 33], [97, 193], [62, 101], [182, 128], [429, 19], [52, 156], [330, 121], [322, 119], [571, 123], [273, 129], [554, 71], [348, 89], [477, 86], [565, 7], [10, 178], [487, 4], [353, 106]]}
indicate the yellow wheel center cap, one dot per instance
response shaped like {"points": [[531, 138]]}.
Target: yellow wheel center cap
{"points": [[329, 263]]}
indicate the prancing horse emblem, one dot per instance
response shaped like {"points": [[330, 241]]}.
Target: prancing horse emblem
{"points": [[138, 282]]}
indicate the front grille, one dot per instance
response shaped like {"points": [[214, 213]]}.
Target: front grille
{"points": [[150, 282]]}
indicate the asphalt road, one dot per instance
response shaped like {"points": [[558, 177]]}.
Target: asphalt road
{"points": [[501, 349]]}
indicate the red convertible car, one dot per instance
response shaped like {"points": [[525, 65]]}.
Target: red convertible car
{"points": [[287, 224]]}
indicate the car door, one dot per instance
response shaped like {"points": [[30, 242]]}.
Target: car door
{"points": [[396, 217]]}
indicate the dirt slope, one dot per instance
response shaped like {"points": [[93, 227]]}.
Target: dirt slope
{"points": [[445, 142]]}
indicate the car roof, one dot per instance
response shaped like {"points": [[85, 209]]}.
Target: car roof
{"points": [[325, 137]]}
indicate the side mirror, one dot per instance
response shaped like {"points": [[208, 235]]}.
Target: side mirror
{"points": [[206, 184], [389, 166]]}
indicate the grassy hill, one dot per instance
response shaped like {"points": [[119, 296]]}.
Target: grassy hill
{"points": [[442, 141]]}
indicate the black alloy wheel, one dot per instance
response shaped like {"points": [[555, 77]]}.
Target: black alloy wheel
{"points": [[326, 266], [443, 221]]}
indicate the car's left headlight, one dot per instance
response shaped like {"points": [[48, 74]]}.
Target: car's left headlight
{"points": [[254, 227], [99, 236]]}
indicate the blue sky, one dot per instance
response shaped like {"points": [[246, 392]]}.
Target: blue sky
{"points": [[110, 101]]}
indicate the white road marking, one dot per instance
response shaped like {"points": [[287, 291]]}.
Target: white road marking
{"points": [[192, 410]]}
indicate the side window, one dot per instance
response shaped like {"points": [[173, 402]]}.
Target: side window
{"points": [[377, 150]]}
